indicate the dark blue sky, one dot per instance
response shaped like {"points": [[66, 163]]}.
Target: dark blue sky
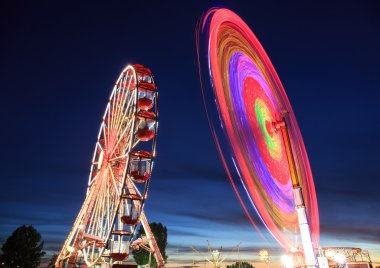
{"points": [[59, 61]]}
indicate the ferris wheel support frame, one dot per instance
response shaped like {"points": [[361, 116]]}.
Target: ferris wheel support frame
{"points": [[303, 223], [149, 234], [152, 241]]}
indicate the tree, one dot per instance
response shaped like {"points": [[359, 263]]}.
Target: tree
{"points": [[240, 265], [23, 248], [160, 233], [52, 261]]}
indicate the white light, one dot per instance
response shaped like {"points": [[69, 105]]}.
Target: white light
{"points": [[70, 249], [100, 160], [263, 254], [287, 261], [329, 254], [340, 258], [80, 253]]}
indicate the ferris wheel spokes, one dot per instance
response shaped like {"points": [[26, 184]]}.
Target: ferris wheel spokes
{"points": [[119, 174]]}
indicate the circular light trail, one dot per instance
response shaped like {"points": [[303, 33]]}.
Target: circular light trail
{"points": [[250, 98]]}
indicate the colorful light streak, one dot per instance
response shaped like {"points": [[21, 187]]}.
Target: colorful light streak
{"points": [[249, 98]]}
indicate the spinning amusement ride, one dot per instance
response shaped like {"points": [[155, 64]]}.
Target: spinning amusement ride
{"points": [[118, 184], [256, 132]]}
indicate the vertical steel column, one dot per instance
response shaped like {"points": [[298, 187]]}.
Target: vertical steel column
{"points": [[303, 223]]}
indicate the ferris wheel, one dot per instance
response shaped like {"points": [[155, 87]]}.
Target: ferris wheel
{"points": [[119, 176]]}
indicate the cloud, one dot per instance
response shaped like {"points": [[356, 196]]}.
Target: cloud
{"points": [[368, 233], [227, 249], [177, 232], [34, 217], [184, 254], [232, 217], [351, 193], [53, 246]]}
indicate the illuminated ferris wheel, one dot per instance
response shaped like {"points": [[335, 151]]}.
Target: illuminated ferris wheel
{"points": [[119, 176]]}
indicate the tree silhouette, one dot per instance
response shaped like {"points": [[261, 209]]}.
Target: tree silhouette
{"points": [[160, 233], [240, 265], [23, 248], [52, 261]]}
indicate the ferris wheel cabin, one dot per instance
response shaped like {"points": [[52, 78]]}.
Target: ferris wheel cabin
{"points": [[140, 161]]}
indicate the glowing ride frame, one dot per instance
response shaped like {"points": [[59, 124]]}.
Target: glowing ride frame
{"points": [[310, 259], [119, 177], [251, 105]]}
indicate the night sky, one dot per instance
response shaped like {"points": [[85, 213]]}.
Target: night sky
{"points": [[58, 64]]}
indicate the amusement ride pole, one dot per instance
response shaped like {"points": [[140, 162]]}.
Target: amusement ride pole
{"points": [[303, 223]]}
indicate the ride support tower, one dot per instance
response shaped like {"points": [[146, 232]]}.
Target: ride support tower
{"points": [[303, 223]]}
